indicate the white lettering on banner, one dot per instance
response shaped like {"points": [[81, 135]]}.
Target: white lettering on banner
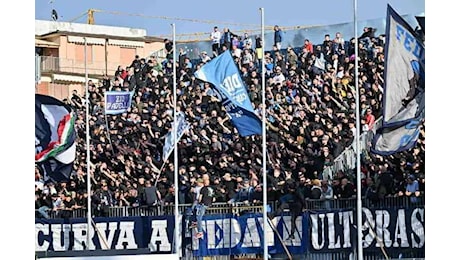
{"points": [[102, 227], [241, 97], [60, 233], [229, 105], [251, 234], [270, 232], [232, 109], [59, 237], [227, 233], [218, 235], [237, 114], [126, 239], [400, 230], [41, 245], [231, 233], [231, 84], [315, 230], [382, 219], [234, 233], [227, 230], [223, 236], [410, 43], [347, 222], [211, 233], [375, 229], [79, 237], [368, 224], [332, 237], [160, 234], [116, 106], [119, 99], [417, 228]]}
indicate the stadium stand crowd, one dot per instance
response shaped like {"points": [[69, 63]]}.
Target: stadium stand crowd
{"points": [[310, 119]]}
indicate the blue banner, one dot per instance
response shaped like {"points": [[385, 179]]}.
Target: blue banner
{"points": [[393, 229], [124, 233], [224, 75], [324, 231], [231, 235], [117, 102]]}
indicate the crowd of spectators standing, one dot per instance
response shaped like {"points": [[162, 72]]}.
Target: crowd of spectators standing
{"points": [[310, 98]]}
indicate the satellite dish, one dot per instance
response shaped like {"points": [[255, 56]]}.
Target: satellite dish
{"points": [[54, 15]]}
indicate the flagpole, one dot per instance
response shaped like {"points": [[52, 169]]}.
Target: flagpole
{"points": [[264, 139], [176, 181], [359, 209], [88, 159], [108, 131]]}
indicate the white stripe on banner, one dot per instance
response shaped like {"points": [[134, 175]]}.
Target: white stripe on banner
{"points": [[53, 115], [67, 156]]}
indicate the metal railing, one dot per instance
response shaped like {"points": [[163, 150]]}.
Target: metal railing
{"points": [[159, 55], [56, 64], [241, 208], [347, 159], [38, 72]]}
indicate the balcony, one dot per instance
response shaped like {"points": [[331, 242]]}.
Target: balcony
{"points": [[50, 64]]}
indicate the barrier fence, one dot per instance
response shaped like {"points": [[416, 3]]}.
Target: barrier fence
{"points": [[241, 208], [346, 161], [399, 213], [50, 64]]}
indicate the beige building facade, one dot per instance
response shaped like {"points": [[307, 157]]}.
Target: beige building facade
{"points": [[60, 53]]}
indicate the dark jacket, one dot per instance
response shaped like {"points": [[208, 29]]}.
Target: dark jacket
{"points": [[278, 36], [150, 195]]}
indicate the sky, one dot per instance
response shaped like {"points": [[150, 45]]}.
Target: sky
{"points": [[239, 14]]}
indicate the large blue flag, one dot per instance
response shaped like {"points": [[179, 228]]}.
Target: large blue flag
{"points": [[404, 91], [224, 75], [117, 102]]}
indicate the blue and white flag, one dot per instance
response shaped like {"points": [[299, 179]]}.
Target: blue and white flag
{"points": [[390, 140], [404, 91], [182, 126], [224, 75], [404, 88], [117, 102]]}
